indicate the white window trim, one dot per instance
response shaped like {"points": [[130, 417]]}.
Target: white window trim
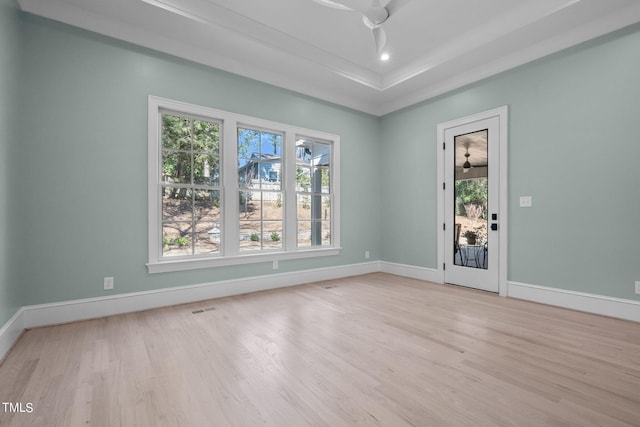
{"points": [[229, 193]]}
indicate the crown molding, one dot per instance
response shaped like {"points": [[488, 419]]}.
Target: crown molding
{"points": [[276, 58]]}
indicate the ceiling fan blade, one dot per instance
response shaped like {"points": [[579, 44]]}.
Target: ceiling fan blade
{"points": [[380, 39], [372, 9], [376, 15], [394, 5], [333, 4], [360, 5]]}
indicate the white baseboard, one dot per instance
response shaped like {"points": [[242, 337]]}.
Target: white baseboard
{"points": [[10, 332], [70, 311], [413, 272], [591, 303], [581, 301], [33, 316]]}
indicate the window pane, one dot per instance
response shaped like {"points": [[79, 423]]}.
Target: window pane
{"points": [[326, 208], [324, 177], [250, 206], [272, 235], [206, 136], [206, 169], [325, 233], [259, 159], [303, 178], [176, 204], [314, 233], [320, 232], [176, 132], [250, 235], [304, 234], [321, 154], [176, 238], [313, 207], [304, 207], [248, 173], [248, 144], [270, 174], [207, 237], [313, 153], [272, 206], [180, 210], [271, 144], [176, 167], [207, 205]]}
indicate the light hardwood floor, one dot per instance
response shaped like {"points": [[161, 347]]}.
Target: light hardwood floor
{"points": [[368, 350]]}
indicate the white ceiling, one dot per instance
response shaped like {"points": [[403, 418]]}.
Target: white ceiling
{"points": [[435, 45]]}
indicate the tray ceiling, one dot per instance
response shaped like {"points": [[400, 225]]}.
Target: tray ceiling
{"points": [[434, 45]]}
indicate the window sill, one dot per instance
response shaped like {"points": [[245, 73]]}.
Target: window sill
{"points": [[193, 264]]}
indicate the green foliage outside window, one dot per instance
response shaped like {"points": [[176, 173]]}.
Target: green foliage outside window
{"points": [[190, 150], [471, 192]]}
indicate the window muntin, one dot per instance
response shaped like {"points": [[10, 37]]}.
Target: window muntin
{"points": [[191, 185], [313, 193]]}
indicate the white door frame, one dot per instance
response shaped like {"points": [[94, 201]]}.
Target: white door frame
{"points": [[503, 116]]}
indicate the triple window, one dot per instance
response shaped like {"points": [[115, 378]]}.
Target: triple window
{"points": [[227, 189]]}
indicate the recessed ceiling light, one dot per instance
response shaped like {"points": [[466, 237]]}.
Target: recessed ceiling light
{"points": [[384, 57]]}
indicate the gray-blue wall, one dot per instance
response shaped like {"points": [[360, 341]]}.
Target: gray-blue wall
{"points": [[10, 42], [83, 161], [574, 146]]}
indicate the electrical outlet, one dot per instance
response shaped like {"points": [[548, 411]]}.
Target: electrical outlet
{"points": [[108, 283], [525, 201], [275, 264], [638, 288], [366, 254]]}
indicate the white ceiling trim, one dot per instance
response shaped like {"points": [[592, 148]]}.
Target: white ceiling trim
{"points": [[274, 57], [61, 11], [500, 27], [210, 14], [602, 26]]}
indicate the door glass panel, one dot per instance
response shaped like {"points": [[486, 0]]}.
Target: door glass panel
{"points": [[471, 195]]}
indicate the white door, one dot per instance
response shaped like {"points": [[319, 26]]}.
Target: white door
{"points": [[472, 203]]}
